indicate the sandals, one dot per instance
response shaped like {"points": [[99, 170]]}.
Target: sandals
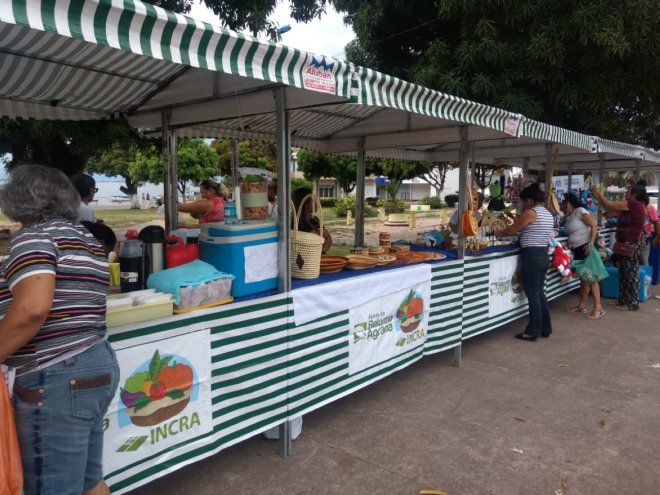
{"points": [[524, 336], [596, 313], [626, 307], [577, 309]]}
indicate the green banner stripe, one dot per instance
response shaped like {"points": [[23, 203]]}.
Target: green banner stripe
{"points": [[251, 401], [250, 362], [252, 389], [245, 377], [295, 398], [352, 385], [248, 336], [312, 356], [319, 377]]}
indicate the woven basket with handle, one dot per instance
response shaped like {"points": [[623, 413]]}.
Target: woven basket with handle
{"points": [[306, 246]]}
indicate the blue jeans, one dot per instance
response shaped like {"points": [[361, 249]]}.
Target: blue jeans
{"points": [[59, 420], [534, 263]]}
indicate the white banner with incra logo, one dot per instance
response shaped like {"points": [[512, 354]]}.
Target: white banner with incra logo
{"points": [[391, 325], [163, 400], [505, 290]]}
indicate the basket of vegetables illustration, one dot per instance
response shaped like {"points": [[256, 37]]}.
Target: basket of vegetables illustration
{"points": [[159, 393], [410, 312]]}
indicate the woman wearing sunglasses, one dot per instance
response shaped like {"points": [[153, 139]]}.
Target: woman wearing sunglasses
{"points": [[86, 187]]}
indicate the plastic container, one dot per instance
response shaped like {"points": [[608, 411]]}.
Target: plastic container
{"points": [[254, 198], [231, 217], [131, 263], [194, 285], [208, 294], [178, 253], [124, 315], [610, 285], [247, 251]]}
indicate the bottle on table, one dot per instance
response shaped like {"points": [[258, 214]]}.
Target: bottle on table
{"points": [[230, 212], [131, 263]]}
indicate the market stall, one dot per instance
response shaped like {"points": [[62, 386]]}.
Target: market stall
{"points": [[260, 362]]}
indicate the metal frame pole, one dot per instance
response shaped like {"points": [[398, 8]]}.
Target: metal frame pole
{"points": [[359, 195], [548, 167], [463, 186], [601, 179], [235, 163], [525, 172], [170, 178], [283, 142], [463, 191]]}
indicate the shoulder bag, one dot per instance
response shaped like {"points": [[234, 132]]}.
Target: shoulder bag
{"points": [[624, 249]]}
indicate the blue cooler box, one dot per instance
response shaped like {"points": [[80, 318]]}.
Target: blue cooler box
{"points": [[610, 286], [654, 261], [248, 251]]}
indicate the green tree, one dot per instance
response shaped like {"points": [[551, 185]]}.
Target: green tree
{"points": [[583, 65], [252, 16], [118, 162], [343, 168], [437, 175], [256, 154], [60, 144], [196, 161], [399, 170]]}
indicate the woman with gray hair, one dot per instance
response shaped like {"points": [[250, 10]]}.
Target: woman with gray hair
{"points": [[53, 334]]}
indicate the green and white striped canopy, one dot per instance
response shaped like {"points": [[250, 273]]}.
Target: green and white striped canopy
{"points": [[89, 59], [94, 59]]}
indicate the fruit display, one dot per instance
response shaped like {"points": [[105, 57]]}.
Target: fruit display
{"points": [[159, 393]]}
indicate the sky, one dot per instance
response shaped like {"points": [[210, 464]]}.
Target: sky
{"points": [[326, 36]]}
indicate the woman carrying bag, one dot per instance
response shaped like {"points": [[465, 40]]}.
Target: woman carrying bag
{"points": [[582, 231], [628, 243]]}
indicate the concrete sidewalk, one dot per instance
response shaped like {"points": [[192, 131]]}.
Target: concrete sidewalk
{"points": [[578, 413]]}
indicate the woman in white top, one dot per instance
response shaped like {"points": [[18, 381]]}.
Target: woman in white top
{"points": [[582, 230]]}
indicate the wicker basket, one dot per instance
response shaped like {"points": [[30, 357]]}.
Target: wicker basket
{"points": [[306, 246]]}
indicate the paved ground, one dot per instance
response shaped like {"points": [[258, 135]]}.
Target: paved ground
{"points": [[573, 414]]}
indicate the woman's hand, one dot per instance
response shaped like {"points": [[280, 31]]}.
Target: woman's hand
{"points": [[586, 249]]}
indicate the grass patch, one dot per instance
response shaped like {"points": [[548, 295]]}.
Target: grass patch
{"points": [[118, 219]]}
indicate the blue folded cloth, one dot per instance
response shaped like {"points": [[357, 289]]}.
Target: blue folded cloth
{"points": [[194, 273]]}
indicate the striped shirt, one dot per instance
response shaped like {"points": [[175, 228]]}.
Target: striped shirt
{"points": [[76, 319], [537, 234]]}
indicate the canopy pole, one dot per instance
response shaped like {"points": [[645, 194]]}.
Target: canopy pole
{"points": [[601, 179], [283, 143], [359, 195], [525, 172], [548, 167], [170, 178], [463, 186], [570, 177], [463, 191], [235, 163], [638, 169]]}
